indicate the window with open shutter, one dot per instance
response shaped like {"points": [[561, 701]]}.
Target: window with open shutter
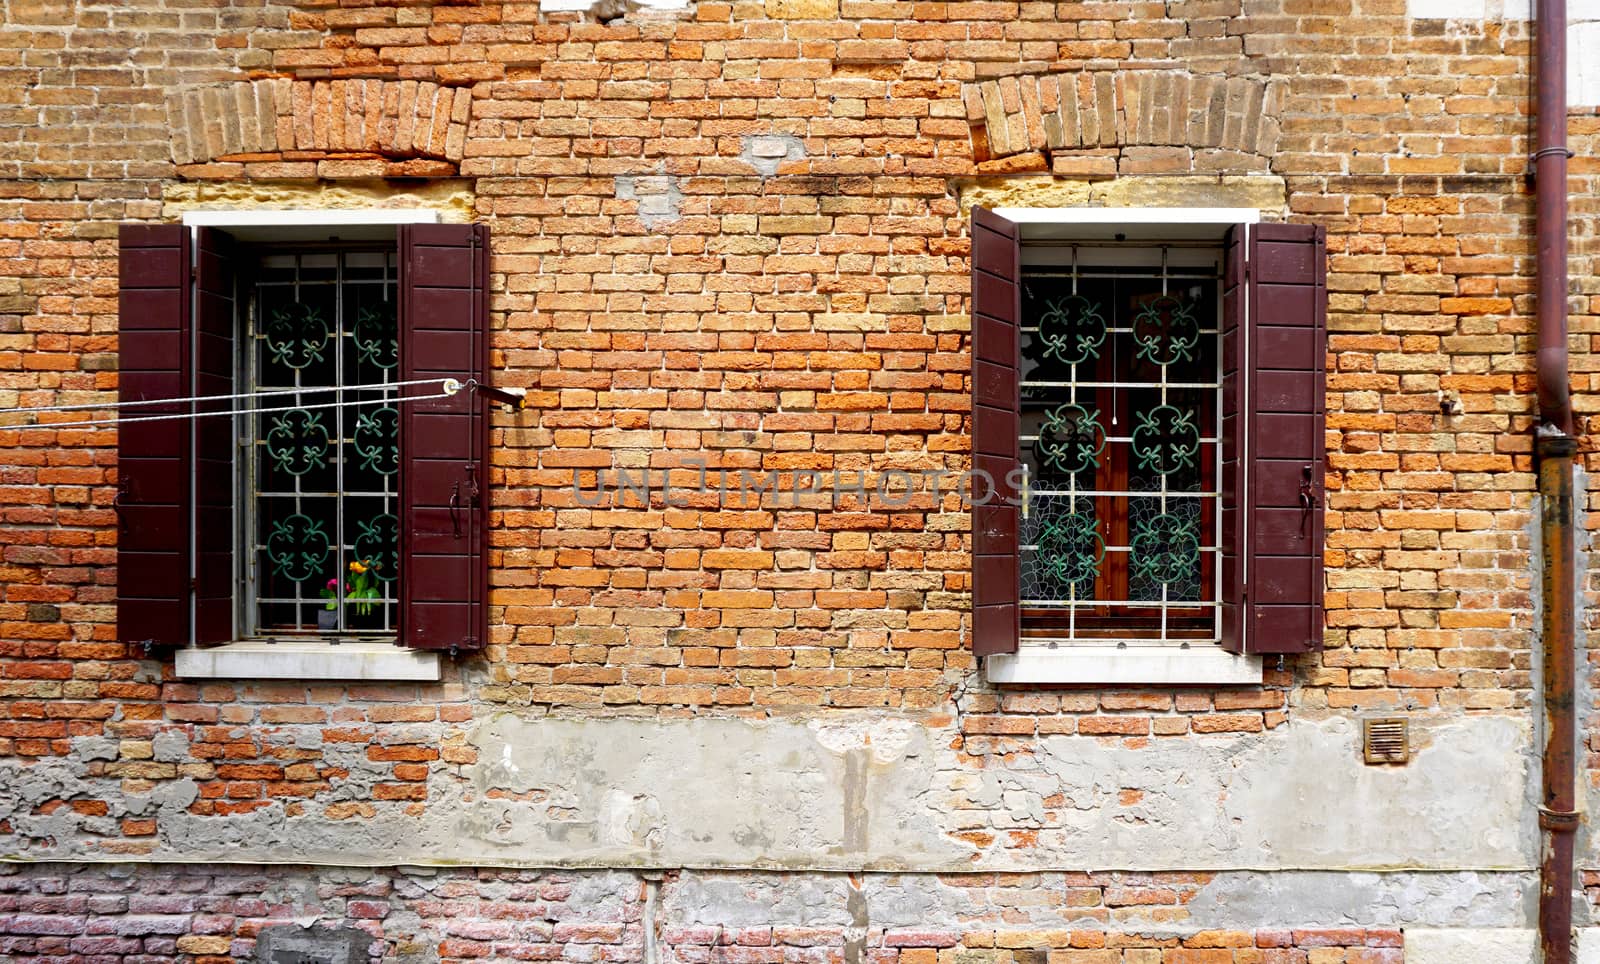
{"points": [[317, 482], [1162, 399]]}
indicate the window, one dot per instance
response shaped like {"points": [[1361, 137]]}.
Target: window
{"points": [[319, 494], [320, 485], [341, 497], [1151, 395], [1120, 442]]}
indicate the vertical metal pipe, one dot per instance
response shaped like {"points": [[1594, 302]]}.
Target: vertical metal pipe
{"points": [[1550, 173], [1558, 820], [1555, 448]]}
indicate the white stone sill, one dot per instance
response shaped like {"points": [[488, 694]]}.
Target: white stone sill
{"points": [[1111, 665], [311, 659]]}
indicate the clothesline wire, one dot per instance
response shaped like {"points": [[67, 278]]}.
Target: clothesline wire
{"points": [[237, 411], [96, 406]]}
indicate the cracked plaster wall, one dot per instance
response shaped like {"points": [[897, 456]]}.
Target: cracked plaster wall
{"points": [[873, 793]]}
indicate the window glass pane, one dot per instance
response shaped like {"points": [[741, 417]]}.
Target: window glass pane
{"points": [[1121, 407], [323, 479]]}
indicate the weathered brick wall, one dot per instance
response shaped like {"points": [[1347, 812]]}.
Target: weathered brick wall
{"points": [[738, 234], [207, 915]]}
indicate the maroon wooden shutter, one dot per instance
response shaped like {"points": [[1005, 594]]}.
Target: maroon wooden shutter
{"points": [[1231, 542], [996, 417], [444, 281], [214, 438], [1282, 466], [154, 459]]}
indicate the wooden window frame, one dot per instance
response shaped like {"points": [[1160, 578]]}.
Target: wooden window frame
{"points": [[1132, 624], [205, 622], [1275, 607]]}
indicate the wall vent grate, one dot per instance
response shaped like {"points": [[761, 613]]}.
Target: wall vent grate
{"points": [[1386, 740]]}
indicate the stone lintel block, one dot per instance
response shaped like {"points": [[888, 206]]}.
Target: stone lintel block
{"points": [[1032, 112], [995, 119], [419, 167], [280, 170], [972, 99], [802, 9], [183, 151], [1016, 163], [1083, 165], [367, 167], [213, 171], [1155, 160], [242, 105]]}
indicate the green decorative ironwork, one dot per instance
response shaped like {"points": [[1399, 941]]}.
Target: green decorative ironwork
{"points": [[1070, 440], [1166, 549], [377, 440], [297, 441], [1165, 330], [1070, 547], [1166, 440], [296, 335], [297, 548], [376, 540], [1072, 330], [374, 336]]}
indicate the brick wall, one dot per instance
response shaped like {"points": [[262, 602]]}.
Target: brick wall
{"points": [[667, 296], [207, 915], [737, 234]]}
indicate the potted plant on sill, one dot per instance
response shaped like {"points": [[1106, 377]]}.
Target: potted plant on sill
{"points": [[361, 592], [328, 615]]}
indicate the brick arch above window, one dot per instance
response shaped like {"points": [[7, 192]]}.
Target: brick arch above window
{"points": [[1130, 121], [282, 128]]}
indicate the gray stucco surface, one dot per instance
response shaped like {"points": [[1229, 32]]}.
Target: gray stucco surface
{"points": [[874, 793]]}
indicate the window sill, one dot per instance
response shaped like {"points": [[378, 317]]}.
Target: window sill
{"points": [[1123, 666], [309, 660]]}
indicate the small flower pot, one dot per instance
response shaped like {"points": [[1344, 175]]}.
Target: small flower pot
{"points": [[327, 620]]}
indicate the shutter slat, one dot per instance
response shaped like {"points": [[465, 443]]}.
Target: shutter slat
{"points": [[1282, 462], [154, 461], [996, 416], [214, 323], [444, 442]]}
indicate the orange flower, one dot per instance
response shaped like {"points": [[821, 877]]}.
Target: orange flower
{"points": [[357, 566]]}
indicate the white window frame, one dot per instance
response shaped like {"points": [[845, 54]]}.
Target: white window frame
{"points": [[1113, 663], [307, 659]]}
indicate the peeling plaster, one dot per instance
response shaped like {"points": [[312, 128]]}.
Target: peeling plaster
{"points": [[768, 153], [856, 794], [659, 197]]}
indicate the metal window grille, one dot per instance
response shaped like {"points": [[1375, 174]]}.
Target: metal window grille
{"points": [[321, 486], [1120, 443]]}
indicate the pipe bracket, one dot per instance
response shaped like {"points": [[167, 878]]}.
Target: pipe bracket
{"points": [[1561, 821], [1550, 442]]}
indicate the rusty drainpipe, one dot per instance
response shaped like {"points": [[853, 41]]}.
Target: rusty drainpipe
{"points": [[1555, 446]]}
